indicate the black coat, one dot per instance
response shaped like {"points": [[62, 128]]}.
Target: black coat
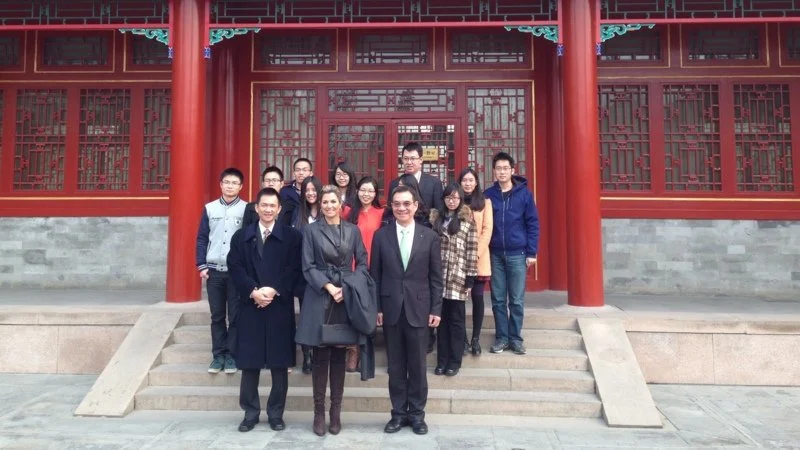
{"points": [[265, 335], [284, 217], [323, 263], [430, 191], [417, 290]]}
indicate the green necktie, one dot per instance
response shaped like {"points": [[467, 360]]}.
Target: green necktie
{"points": [[405, 247]]}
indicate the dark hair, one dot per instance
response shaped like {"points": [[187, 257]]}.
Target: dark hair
{"points": [[476, 201], [299, 160], [503, 156], [412, 147], [232, 171], [267, 192], [351, 182], [271, 169], [405, 188], [356, 208], [305, 209], [455, 222], [411, 181]]}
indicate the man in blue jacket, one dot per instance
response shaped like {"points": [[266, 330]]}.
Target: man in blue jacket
{"points": [[513, 247]]}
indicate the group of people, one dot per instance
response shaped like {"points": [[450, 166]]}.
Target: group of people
{"points": [[355, 264]]}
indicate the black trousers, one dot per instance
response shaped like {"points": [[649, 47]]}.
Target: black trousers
{"points": [[248, 393], [406, 348], [452, 333], [222, 301], [477, 308]]}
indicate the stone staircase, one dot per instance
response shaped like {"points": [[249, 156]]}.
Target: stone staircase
{"points": [[552, 380]]}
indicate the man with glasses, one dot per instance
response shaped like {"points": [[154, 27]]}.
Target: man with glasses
{"points": [[271, 177], [512, 250], [430, 187], [220, 219], [290, 195]]}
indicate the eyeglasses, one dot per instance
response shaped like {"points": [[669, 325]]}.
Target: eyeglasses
{"points": [[342, 175], [366, 191], [410, 158], [405, 205], [272, 180], [452, 199], [230, 183], [502, 168]]}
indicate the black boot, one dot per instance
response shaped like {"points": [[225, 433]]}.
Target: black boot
{"points": [[306, 359], [475, 345]]}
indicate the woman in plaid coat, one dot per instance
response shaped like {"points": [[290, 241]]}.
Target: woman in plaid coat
{"points": [[455, 225]]}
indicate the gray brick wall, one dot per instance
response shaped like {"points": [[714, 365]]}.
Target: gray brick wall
{"points": [[83, 252], [709, 257]]}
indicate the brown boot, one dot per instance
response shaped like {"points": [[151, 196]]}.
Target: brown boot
{"points": [[352, 358], [337, 388], [319, 383]]}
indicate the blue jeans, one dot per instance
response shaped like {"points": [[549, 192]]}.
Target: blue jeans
{"points": [[508, 296]]}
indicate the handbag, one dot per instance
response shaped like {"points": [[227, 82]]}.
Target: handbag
{"points": [[337, 333]]}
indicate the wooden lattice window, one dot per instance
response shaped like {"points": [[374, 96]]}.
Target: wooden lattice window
{"points": [[496, 122], [10, 51], [645, 45], [624, 137], [292, 50], [792, 40], [148, 52], [710, 44], [363, 147], [410, 49], [763, 130], [41, 140], [481, 48], [692, 137], [70, 50], [157, 139], [392, 100], [104, 139], [287, 126]]}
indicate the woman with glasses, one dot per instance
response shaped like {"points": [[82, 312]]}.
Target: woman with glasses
{"points": [[456, 227], [482, 214], [344, 178]]}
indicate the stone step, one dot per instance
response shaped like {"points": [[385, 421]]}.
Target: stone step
{"points": [[468, 378], [534, 319], [554, 339], [544, 359], [441, 401]]}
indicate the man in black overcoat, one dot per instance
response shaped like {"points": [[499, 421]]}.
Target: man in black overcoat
{"points": [[406, 264], [264, 262]]}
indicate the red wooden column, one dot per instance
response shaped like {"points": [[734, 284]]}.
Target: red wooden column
{"points": [[187, 150], [557, 185], [223, 112], [581, 144]]}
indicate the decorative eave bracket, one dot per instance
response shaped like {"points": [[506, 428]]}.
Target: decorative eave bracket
{"points": [[215, 36], [607, 31]]}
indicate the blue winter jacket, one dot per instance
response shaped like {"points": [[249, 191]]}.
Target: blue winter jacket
{"points": [[516, 220]]}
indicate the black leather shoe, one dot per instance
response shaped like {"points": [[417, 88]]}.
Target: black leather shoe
{"points": [[277, 424], [419, 427], [247, 425], [394, 425], [439, 370], [451, 372]]}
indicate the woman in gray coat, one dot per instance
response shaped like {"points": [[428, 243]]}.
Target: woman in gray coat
{"points": [[330, 247]]}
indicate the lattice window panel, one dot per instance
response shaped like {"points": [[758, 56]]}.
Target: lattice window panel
{"points": [[496, 122], [636, 10], [437, 137], [10, 51], [148, 52], [408, 48], [392, 100], [640, 45], [157, 139], [68, 51], [624, 137], [83, 12], [104, 142], [481, 48], [793, 42], [763, 130], [363, 147], [718, 44], [41, 140], [295, 49], [692, 138], [287, 121]]}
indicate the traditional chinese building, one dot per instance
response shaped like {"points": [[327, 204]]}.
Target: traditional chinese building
{"points": [[657, 136]]}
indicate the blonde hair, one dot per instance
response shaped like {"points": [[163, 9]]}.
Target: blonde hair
{"points": [[330, 189]]}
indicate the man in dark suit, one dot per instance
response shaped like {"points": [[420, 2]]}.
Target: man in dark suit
{"points": [[430, 187], [406, 264], [264, 264], [271, 177]]}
